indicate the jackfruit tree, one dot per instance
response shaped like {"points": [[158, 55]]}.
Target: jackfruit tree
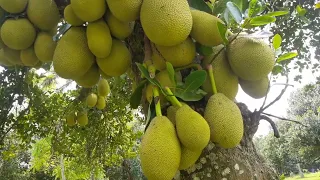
{"points": [[85, 72]]}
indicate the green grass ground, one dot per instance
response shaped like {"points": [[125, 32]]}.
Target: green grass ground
{"points": [[310, 176]]}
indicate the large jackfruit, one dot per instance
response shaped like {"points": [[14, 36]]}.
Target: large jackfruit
{"points": [[166, 23], [14, 6], [226, 81], [192, 129], [205, 29], [255, 89], [125, 10], [90, 78], [28, 57], [119, 29], [71, 17], [250, 59], [72, 57], [89, 10], [99, 38], [160, 150], [188, 158], [44, 46], [43, 13], [225, 120], [18, 34], [118, 61]]}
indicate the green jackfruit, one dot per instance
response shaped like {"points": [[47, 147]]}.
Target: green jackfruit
{"points": [[103, 88], [71, 119], [44, 46], [28, 57], [71, 17], [14, 6], [91, 100], [250, 59], [89, 10], [82, 118], [90, 78], [101, 103], [188, 158], [225, 120], [160, 150], [13, 56], [125, 10], [119, 29], [3, 59], [255, 89]]}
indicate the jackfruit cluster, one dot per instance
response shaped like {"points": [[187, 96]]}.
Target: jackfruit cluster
{"points": [[80, 118]]}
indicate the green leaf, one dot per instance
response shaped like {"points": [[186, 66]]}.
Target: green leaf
{"points": [[276, 70], [203, 50], [254, 8], [195, 79], [171, 72], [200, 5], [277, 41], [277, 13], [287, 56], [235, 12], [301, 11], [223, 31], [262, 20], [137, 95], [242, 4], [145, 72], [191, 96]]}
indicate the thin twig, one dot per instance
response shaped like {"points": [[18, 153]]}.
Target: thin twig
{"points": [[284, 119], [265, 98], [273, 125]]}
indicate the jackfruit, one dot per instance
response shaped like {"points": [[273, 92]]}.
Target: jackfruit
{"points": [[192, 129], [18, 34], [225, 120], [99, 38], [188, 158], [104, 74], [255, 89], [1, 42], [71, 17], [71, 119], [205, 29], [92, 100], [43, 13], [44, 47], [160, 150], [178, 55], [89, 10], [13, 6], [82, 118], [226, 81], [3, 60], [119, 29], [90, 78], [103, 88], [118, 61], [125, 10], [158, 61], [101, 103], [13, 56], [171, 113], [72, 57], [28, 57], [250, 59], [166, 23]]}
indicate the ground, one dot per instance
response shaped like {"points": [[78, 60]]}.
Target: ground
{"points": [[310, 176]]}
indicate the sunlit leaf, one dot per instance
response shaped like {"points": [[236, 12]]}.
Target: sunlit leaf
{"points": [[235, 12], [317, 6], [171, 72], [223, 30], [277, 13], [254, 8], [301, 11], [277, 41], [287, 56], [262, 20]]}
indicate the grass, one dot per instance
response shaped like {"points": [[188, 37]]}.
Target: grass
{"points": [[309, 176]]}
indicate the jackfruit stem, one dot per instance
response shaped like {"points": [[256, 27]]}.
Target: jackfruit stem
{"points": [[213, 84], [174, 101], [157, 101]]}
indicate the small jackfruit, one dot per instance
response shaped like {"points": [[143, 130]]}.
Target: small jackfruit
{"points": [[255, 89], [13, 6], [250, 59], [90, 78], [92, 100], [188, 158], [171, 113], [44, 46], [119, 29], [89, 10], [118, 61], [103, 88], [13, 56], [99, 38], [125, 10], [28, 57], [43, 13], [160, 150], [225, 120], [71, 17], [166, 23], [18, 34], [192, 129], [101, 103], [82, 118], [71, 119]]}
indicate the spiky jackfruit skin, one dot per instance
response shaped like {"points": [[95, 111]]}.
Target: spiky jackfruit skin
{"points": [[89, 10], [44, 46], [18, 34], [192, 129], [101, 103], [203, 21], [250, 59], [178, 55], [166, 23], [82, 118], [125, 10], [90, 78], [71, 17], [13, 6], [43, 13], [119, 29], [225, 120], [92, 100], [118, 61], [99, 38], [225, 79], [255, 89], [28, 57], [103, 88], [188, 158], [13, 56], [72, 57], [160, 150]]}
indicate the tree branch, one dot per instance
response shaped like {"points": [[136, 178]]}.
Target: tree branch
{"points": [[284, 119], [273, 125]]}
